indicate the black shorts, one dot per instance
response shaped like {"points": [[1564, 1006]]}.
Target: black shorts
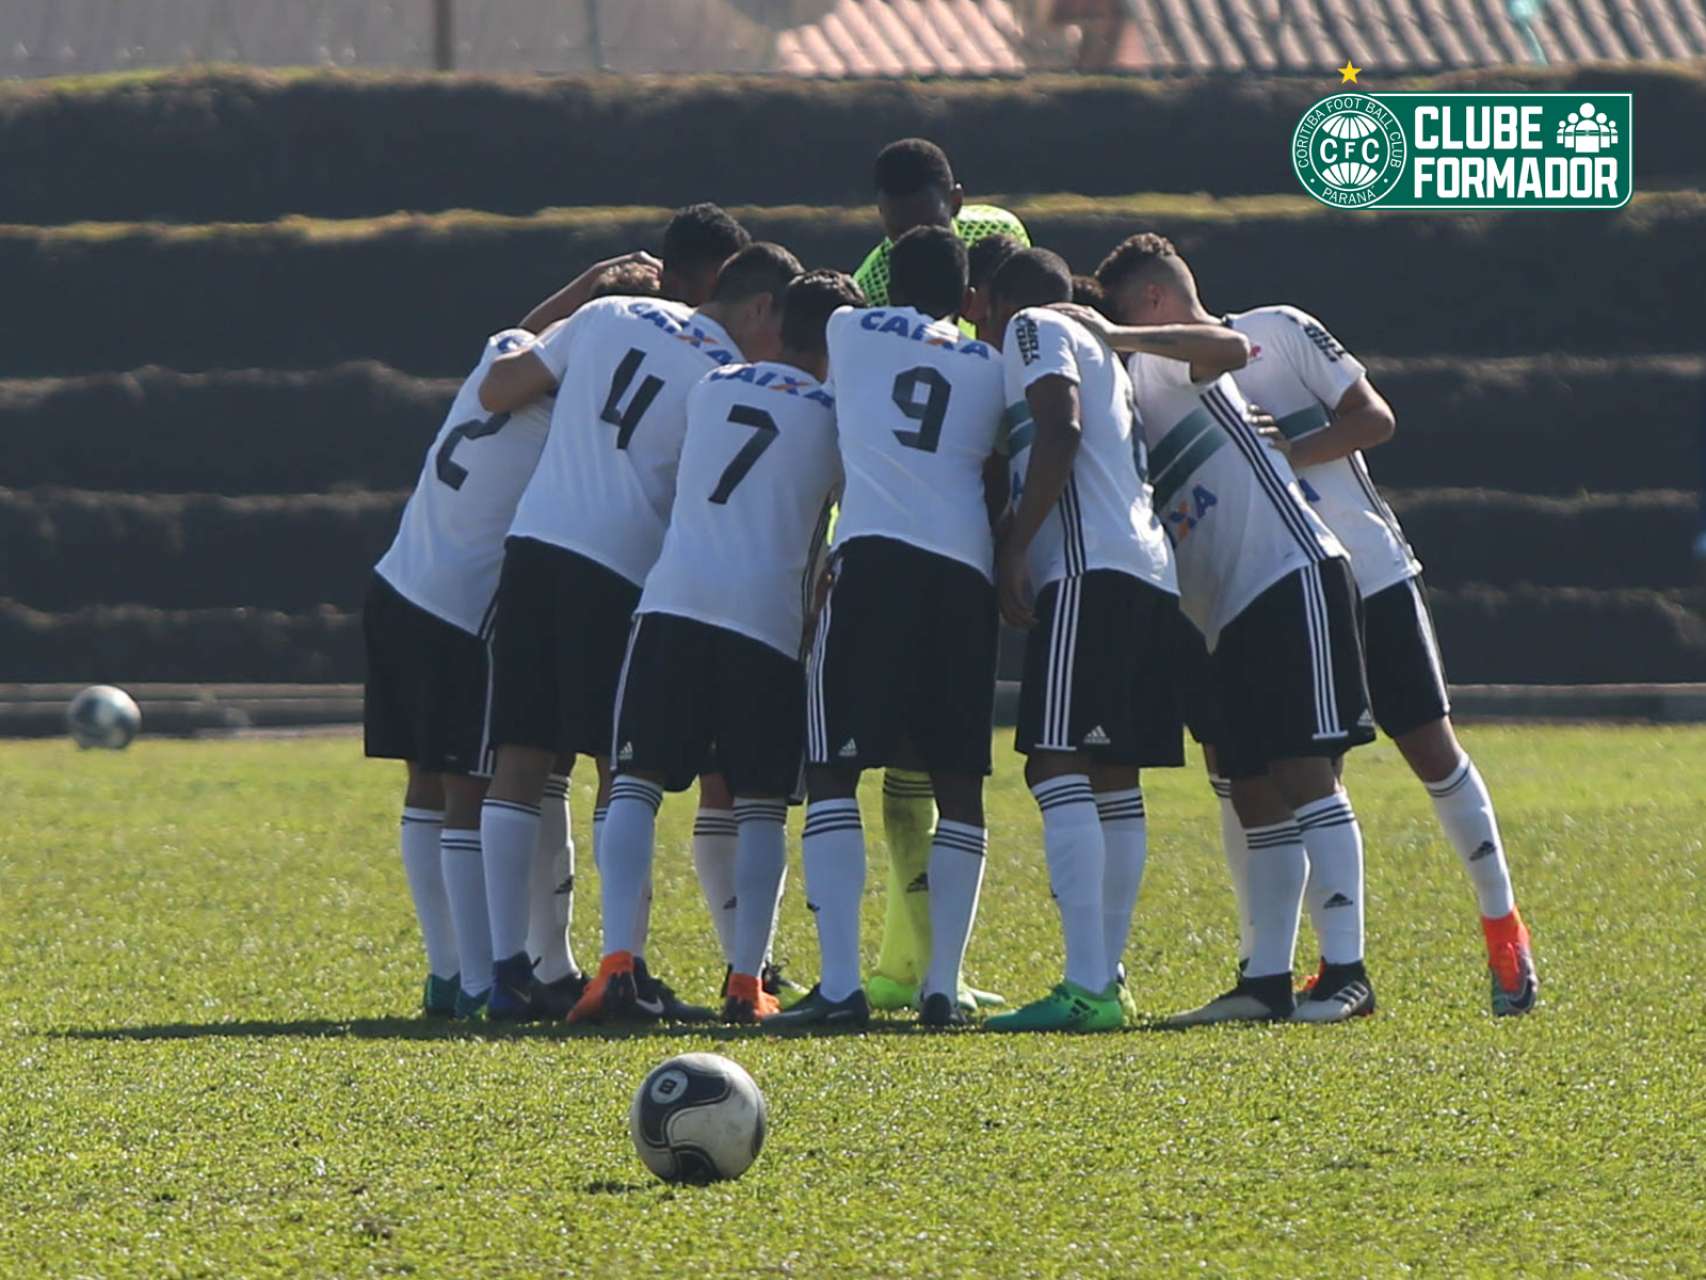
{"points": [[1406, 679], [701, 699], [1098, 673], [562, 630], [427, 686], [1196, 685], [904, 657], [1290, 673]]}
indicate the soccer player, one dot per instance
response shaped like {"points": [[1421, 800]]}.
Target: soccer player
{"points": [[427, 623], [586, 532], [1085, 567], [1269, 587], [1328, 412], [902, 669], [916, 188], [714, 675]]}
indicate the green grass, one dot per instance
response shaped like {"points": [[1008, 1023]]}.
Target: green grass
{"points": [[208, 969]]}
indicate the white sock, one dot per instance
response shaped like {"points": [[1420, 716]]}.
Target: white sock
{"points": [[422, 867], [1465, 810], [761, 858], [465, 888], [509, 833], [1125, 841], [551, 896], [1334, 889], [776, 915], [832, 847], [625, 861], [956, 877], [714, 839], [642, 925], [1277, 868], [1237, 861], [1072, 844]]}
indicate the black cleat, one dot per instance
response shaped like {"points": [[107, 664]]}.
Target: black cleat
{"points": [[1264, 999], [1339, 992], [942, 1010], [656, 999], [517, 996], [813, 1010]]}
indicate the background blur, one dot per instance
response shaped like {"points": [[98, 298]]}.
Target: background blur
{"points": [[238, 299]]}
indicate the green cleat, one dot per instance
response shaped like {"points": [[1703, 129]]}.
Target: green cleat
{"points": [[890, 995], [470, 1008], [438, 999], [1069, 1007]]}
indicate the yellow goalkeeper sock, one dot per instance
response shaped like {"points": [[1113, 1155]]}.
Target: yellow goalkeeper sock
{"points": [[909, 818]]}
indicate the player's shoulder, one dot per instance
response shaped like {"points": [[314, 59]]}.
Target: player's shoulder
{"points": [[1287, 327], [504, 342]]}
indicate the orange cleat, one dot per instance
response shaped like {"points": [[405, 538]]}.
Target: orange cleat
{"points": [[746, 1001], [1516, 985], [611, 995], [1308, 984]]}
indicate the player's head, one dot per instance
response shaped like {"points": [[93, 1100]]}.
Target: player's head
{"points": [[806, 307], [983, 259], [747, 298], [1030, 278], [699, 239], [1147, 282], [927, 270], [915, 187], [630, 280], [1087, 291]]}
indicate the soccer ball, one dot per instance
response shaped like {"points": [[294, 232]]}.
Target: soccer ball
{"points": [[697, 1118], [102, 716]]}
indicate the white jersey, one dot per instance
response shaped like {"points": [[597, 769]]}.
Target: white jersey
{"points": [[1298, 372], [1229, 502], [1104, 519], [758, 472], [450, 545], [607, 478], [918, 410]]}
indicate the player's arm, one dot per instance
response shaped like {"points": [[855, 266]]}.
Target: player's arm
{"points": [[1361, 420], [515, 381], [575, 294], [1210, 349], [1053, 402]]}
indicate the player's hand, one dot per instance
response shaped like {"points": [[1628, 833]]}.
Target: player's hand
{"points": [[1268, 427], [1089, 317], [652, 266], [1013, 587]]}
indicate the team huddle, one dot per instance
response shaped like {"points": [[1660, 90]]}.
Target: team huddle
{"points": [[716, 520]]}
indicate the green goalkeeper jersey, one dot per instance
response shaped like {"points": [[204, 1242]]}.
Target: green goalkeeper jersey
{"points": [[974, 223]]}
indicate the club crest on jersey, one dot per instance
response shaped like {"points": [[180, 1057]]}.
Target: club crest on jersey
{"points": [[879, 321]]}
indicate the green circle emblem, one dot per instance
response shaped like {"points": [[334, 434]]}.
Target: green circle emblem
{"points": [[1348, 150]]}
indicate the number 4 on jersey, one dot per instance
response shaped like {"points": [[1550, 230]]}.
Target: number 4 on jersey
{"points": [[625, 420]]}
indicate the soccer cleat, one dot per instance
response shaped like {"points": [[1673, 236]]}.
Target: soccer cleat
{"points": [[971, 999], [1340, 992], [1128, 1004], [612, 995], [470, 1008], [517, 996], [941, 1011], [1516, 985], [1308, 984], [813, 1010], [1265, 999], [890, 995], [561, 995], [438, 998], [1069, 1007], [778, 984], [746, 1001], [657, 999]]}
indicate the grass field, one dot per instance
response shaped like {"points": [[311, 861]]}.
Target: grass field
{"points": [[208, 968]]}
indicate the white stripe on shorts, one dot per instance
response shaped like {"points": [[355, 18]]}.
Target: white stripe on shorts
{"points": [[1062, 654], [1320, 654]]}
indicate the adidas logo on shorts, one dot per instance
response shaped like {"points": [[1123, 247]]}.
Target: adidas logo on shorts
{"points": [[849, 749], [627, 751], [1097, 737], [1337, 900]]}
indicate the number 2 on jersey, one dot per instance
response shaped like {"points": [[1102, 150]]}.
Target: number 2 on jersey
{"points": [[625, 420], [764, 433], [927, 411], [450, 471]]}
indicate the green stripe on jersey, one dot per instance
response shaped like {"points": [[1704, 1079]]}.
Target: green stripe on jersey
{"points": [[1182, 463], [1174, 442], [1304, 422]]}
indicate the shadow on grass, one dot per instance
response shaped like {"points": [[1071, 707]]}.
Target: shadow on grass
{"points": [[423, 1029]]}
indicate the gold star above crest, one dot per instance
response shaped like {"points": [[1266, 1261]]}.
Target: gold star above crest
{"points": [[1348, 73]]}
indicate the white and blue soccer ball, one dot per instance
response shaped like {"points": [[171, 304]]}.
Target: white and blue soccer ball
{"points": [[102, 716], [698, 1118]]}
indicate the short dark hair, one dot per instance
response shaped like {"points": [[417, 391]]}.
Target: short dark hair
{"points": [[810, 301], [1132, 256], [1087, 291], [986, 256], [1033, 278], [701, 236], [927, 270], [910, 165], [758, 268], [630, 280]]}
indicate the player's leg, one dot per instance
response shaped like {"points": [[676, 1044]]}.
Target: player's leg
{"points": [[551, 895], [463, 870], [715, 839], [1407, 684], [419, 834], [909, 817]]}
